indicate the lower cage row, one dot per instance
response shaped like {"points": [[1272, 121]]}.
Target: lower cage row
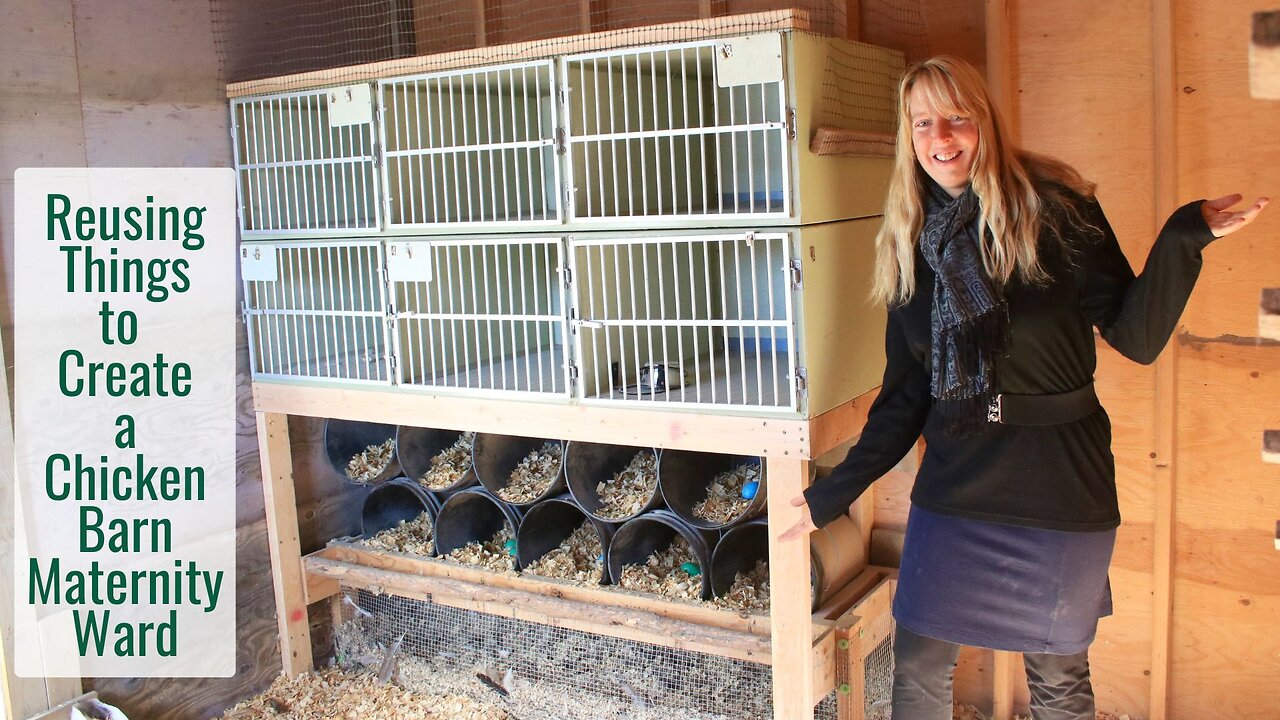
{"points": [[656, 552]]}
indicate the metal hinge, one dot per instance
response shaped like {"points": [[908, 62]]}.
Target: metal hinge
{"points": [[562, 141], [797, 275], [573, 375], [562, 94], [568, 276], [791, 124], [802, 385], [377, 155]]}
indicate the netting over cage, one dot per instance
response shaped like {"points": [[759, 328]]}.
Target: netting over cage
{"points": [[259, 39], [556, 673]]}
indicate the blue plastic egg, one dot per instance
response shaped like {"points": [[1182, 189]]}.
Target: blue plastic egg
{"points": [[691, 568], [750, 489]]}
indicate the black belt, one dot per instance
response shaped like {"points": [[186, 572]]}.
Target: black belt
{"points": [[1043, 409]]}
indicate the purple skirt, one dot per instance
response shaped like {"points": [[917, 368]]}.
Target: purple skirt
{"points": [[1004, 587]]}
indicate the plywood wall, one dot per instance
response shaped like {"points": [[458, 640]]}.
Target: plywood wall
{"points": [[1085, 84]]}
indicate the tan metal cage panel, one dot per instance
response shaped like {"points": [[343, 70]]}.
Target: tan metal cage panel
{"points": [[471, 147], [316, 311], [305, 162], [480, 316]]}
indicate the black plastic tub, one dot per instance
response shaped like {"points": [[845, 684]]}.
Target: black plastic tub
{"points": [[497, 456], [684, 476], [642, 536], [474, 515], [416, 446], [393, 502], [588, 464], [550, 522]]}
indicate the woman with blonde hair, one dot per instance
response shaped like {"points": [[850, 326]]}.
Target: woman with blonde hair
{"points": [[996, 265]]}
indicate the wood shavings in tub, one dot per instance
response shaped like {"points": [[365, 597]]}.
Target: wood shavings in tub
{"points": [[576, 560], [749, 592], [627, 492], [413, 537], [370, 462], [449, 465], [535, 473], [492, 554], [662, 575], [724, 501]]}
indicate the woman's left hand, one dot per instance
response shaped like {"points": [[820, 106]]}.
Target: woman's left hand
{"points": [[1223, 220]]}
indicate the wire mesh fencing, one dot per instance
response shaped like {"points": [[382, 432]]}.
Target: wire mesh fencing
{"points": [[549, 673]]}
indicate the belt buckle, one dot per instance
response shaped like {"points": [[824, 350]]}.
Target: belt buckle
{"points": [[995, 412]]}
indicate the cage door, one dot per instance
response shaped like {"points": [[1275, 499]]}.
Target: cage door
{"points": [[697, 321], [305, 162], [316, 311]]}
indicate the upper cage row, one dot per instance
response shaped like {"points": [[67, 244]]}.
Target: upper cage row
{"points": [[702, 133]]}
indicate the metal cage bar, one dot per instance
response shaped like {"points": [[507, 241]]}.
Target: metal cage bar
{"points": [[650, 134], [318, 311], [481, 316], [473, 147], [298, 172], [695, 321]]}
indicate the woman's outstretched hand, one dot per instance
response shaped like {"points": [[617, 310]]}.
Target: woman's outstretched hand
{"points": [[802, 528], [1223, 220]]}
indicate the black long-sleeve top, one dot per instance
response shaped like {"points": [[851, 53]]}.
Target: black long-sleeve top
{"points": [[1057, 476]]}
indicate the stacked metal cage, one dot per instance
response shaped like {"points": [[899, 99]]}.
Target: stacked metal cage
{"points": [[638, 226]]}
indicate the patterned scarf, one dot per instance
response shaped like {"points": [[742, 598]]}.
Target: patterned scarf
{"points": [[970, 321]]}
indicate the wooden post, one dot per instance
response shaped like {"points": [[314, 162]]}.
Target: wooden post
{"points": [[1007, 670], [282, 541], [1164, 110], [1001, 65], [791, 623]]}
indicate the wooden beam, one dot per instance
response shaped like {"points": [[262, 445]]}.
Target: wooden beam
{"points": [[789, 19], [1164, 117], [789, 615], [619, 426], [1006, 672], [283, 544], [537, 586], [839, 424], [627, 623], [1002, 76]]}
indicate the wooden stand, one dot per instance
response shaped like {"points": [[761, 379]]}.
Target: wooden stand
{"points": [[799, 644]]}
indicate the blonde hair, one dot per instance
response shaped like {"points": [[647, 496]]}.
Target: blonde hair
{"points": [[1012, 185]]}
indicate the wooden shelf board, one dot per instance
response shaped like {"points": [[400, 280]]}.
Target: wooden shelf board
{"points": [[642, 427]]}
